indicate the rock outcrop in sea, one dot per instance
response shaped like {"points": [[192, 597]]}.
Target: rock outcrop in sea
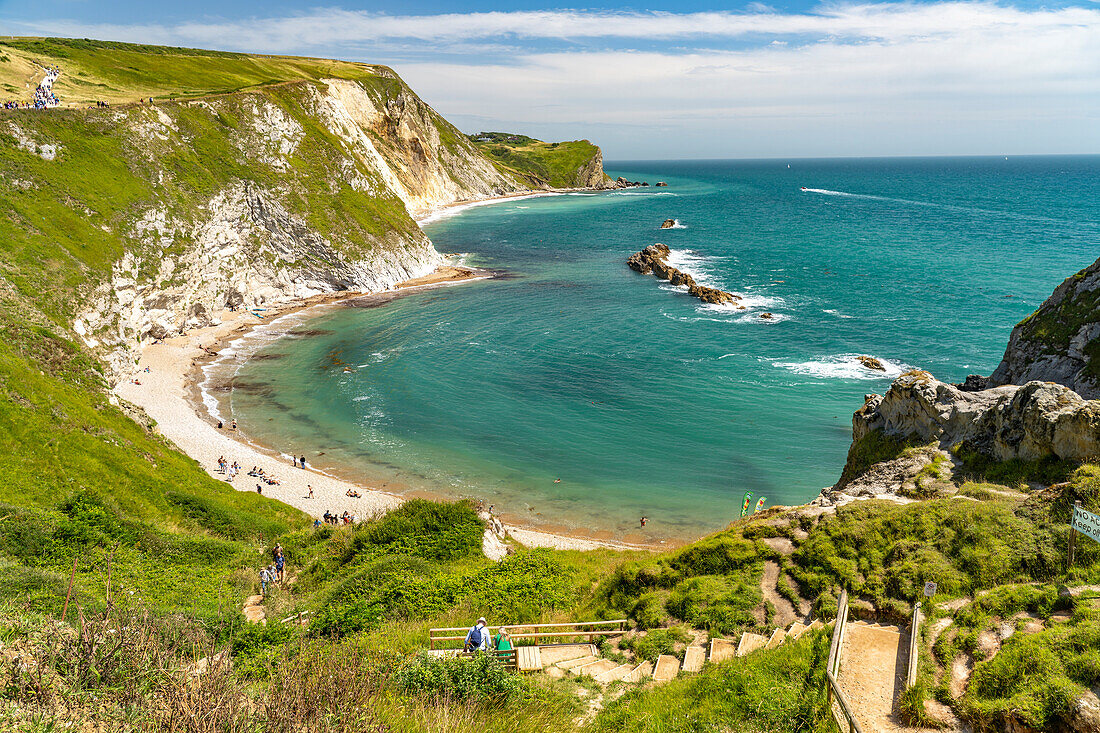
{"points": [[668, 223], [654, 260], [1059, 342]]}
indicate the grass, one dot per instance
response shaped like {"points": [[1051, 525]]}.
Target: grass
{"points": [[123, 72], [779, 689], [557, 165], [85, 482]]}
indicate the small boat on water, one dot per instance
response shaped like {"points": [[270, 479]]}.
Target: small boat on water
{"points": [[805, 189]]}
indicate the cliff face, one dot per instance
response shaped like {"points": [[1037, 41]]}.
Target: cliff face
{"points": [[1059, 341], [1030, 422], [140, 222], [574, 164]]}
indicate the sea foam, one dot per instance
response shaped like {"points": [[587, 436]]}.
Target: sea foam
{"points": [[843, 366]]}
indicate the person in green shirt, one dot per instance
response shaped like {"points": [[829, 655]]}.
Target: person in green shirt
{"points": [[501, 643]]}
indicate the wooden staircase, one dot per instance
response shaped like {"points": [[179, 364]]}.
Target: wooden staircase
{"points": [[722, 649]]}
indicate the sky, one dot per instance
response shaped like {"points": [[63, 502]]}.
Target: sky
{"points": [[688, 79]]}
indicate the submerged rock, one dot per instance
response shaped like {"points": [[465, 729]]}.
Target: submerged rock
{"points": [[871, 362]]}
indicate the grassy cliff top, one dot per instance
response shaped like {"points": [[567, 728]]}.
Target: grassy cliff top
{"points": [[559, 165], [109, 71]]}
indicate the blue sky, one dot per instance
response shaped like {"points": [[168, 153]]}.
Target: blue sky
{"points": [[683, 79]]}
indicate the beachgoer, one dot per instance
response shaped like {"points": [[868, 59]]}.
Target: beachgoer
{"points": [[302, 462], [233, 424], [316, 523], [259, 489], [310, 490], [477, 639], [557, 480], [294, 460], [219, 424], [502, 643], [491, 506], [643, 521]]}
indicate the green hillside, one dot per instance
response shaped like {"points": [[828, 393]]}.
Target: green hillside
{"points": [[557, 165], [113, 72]]}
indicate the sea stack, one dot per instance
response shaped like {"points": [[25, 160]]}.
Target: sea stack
{"points": [[668, 223], [654, 260]]}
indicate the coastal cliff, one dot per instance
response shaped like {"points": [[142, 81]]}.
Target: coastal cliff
{"points": [[1060, 340], [1037, 406], [140, 221], [574, 164]]}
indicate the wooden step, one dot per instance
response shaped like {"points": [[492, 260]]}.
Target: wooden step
{"points": [[667, 668], [817, 624], [578, 662], [777, 638], [529, 659], [797, 629], [642, 672], [693, 658], [750, 643], [592, 669], [554, 653], [614, 674], [722, 649]]}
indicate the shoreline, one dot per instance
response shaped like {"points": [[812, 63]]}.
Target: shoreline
{"points": [[170, 393]]}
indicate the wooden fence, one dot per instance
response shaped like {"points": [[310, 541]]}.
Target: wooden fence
{"points": [[914, 645], [832, 669], [580, 630]]}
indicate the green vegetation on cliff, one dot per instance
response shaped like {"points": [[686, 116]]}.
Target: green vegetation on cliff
{"points": [[109, 71], [573, 164]]}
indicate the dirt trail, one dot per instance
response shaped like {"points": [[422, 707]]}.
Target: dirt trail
{"points": [[785, 613], [873, 664]]}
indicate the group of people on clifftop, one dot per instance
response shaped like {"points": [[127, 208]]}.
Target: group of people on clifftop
{"points": [[44, 97]]}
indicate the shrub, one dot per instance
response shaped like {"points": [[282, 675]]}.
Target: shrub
{"points": [[656, 642], [340, 621], [477, 678]]}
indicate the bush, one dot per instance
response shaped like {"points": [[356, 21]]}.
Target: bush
{"points": [[477, 678], [255, 646], [340, 621], [714, 602], [656, 642]]}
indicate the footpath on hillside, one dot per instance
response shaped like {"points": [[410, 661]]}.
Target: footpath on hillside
{"points": [[873, 664]]}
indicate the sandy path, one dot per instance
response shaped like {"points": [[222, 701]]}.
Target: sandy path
{"points": [[873, 665], [164, 394]]}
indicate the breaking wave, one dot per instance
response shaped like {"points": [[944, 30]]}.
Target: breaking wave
{"points": [[843, 366]]}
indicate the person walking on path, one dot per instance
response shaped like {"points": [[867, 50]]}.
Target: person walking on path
{"points": [[502, 643], [477, 640], [264, 578]]}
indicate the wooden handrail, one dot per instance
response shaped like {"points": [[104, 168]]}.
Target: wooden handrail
{"points": [[535, 631], [832, 666], [619, 621], [833, 663], [834, 687], [914, 646]]}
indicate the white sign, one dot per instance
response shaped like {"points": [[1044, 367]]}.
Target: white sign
{"points": [[1086, 523], [929, 589]]}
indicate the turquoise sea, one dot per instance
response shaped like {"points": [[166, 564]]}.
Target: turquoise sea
{"points": [[641, 399]]}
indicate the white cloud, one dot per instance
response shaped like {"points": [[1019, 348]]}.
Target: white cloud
{"points": [[946, 77], [327, 27]]}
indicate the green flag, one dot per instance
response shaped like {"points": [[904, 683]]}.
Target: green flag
{"points": [[748, 502]]}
